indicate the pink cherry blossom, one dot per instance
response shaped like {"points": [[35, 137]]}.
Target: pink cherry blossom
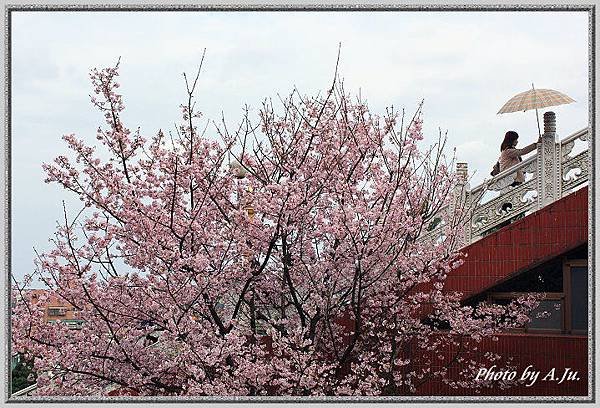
{"points": [[304, 269]]}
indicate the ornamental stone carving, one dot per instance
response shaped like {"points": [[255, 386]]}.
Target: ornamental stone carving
{"points": [[550, 174]]}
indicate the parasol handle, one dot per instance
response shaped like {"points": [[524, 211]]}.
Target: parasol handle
{"points": [[537, 115]]}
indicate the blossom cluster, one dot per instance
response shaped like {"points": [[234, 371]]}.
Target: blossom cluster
{"points": [[306, 268]]}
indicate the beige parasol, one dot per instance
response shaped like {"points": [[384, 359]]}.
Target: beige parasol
{"points": [[535, 99]]}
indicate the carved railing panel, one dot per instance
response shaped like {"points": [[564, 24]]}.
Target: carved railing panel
{"points": [[574, 171], [514, 201], [503, 180], [553, 172], [568, 143], [574, 167], [435, 225]]}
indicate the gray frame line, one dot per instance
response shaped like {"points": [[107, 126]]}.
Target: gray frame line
{"points": [[589, 8]]}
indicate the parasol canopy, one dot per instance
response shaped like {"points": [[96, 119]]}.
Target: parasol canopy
{"points": [[535, 99]]}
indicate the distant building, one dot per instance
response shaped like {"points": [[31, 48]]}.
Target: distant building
{"points": [[58, 309]]}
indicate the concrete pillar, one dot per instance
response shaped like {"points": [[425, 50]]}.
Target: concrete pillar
{"points": [[548, 163], [462, 170], [460, 203]]}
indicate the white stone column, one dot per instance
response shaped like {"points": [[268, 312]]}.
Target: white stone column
{"points": [[460, 201], [548, 163]]}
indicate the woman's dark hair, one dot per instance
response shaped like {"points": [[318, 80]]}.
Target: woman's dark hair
{"points": [[509, 140]]}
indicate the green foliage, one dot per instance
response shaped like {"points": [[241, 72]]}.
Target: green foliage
{"points": [[20, 374]]}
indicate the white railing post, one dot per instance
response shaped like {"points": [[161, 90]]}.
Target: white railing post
{"points": [[548, 163], [460, 201]]}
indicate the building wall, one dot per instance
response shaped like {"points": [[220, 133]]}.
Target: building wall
{"points": [[54, 302], [542, 351], [518, 247]]}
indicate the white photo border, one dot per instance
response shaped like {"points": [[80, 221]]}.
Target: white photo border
{"points": [[590, 8]]}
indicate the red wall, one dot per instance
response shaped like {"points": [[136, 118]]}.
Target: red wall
{"points": [[540, 236], [543, 351], [522, 245]]}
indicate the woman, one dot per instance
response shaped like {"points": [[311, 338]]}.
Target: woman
{"points": [[511, 156]]}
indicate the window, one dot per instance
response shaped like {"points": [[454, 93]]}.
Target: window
{"points": [[548, 317], [75, 324], [57, 311], [564, 284], [546, 279], [576, 289]]}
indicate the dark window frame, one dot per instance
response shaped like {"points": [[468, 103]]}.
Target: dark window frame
{"points": [[567, 265], [57, 311], [546, 296]]}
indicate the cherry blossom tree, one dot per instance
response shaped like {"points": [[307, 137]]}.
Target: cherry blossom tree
{"points": [[301, 253]]}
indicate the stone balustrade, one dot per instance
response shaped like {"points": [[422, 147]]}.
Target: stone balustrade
{"points": [[556, 169]]}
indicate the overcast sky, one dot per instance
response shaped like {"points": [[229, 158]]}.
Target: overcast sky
{"points": [[465, 65]]}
